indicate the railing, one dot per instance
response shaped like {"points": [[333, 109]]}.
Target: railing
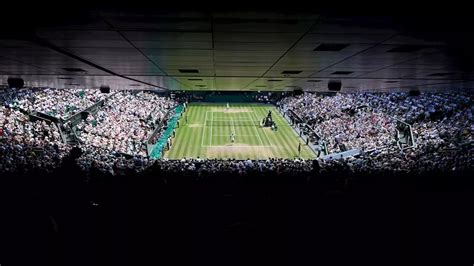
{"points": [[23, 111], [61, 133], [44, 116], [77, 117], [295, 115], [35, 116], [74, 133], [342, 155], [157, 149]]}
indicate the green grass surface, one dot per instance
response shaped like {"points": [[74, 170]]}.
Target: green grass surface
{"points": [[207, 134]]}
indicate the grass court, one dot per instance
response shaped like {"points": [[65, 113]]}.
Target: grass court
{"points": [[207, 134]]}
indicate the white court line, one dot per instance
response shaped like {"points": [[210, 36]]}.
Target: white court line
{"points": [[240, 120], [233, 126], [234, 146], [256, 130], [236, 135], [212, 119], [203, 129], [264, 132]]}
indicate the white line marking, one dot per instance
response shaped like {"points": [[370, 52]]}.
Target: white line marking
{"points": [[212, 119], [256, 130], [236, 135], [226, 120], [233, 146], [203, 130], [233, 128], [264, 132]]}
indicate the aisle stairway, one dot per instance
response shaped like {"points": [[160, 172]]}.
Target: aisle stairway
{"points": [[68, 135]]}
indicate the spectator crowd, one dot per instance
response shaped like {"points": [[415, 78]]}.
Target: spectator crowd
{"points": [[125, 122], [26, 145], [113, 139], [57, 103], [442, 126]]}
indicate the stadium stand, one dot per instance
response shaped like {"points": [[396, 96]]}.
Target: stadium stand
{"points": [[115, 136]]}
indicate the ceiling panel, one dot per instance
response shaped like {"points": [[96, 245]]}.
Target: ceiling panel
{"points": [[186, 65], [404, 39], [236, 50], [202, 72], [345, 38], [255, 37], [98, 35], [241, 25], [172, 45], [230, 83], [240, 71], [146, 22], [335, 74], [164, 36], [252, 46]]}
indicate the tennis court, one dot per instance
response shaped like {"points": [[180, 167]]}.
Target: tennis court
{"points": [[207, 134]]}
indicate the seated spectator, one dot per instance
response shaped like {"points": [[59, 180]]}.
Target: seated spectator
{"points": [[26, 145], [113, 140]]}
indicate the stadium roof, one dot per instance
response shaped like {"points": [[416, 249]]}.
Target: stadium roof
{"points": [[236, 50]]}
